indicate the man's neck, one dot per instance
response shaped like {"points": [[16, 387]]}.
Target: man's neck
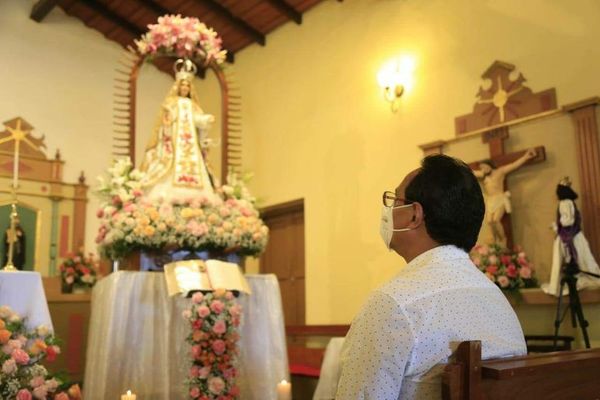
{"points": [[419, 248]]}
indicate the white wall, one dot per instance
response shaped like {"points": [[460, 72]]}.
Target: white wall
{"points": [[58, 75]]}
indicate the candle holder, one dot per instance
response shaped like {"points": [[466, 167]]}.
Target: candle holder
{"points": [[12, 238]]}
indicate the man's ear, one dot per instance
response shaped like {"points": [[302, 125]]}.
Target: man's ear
{"points": [[418, 217]]}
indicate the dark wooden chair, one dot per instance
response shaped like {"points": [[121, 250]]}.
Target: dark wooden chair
{"points": [[560, 375]]}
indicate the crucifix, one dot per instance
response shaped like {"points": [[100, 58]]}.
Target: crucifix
{"points": [[492, 174], [18, 135]]}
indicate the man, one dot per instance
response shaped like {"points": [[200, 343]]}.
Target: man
{"points": [[411, 325]]}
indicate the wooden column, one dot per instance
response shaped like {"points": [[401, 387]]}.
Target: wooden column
{"points": [[585, 122]]}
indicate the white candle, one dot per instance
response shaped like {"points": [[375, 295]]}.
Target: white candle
{"points": [[284, 390], [128, 396]]}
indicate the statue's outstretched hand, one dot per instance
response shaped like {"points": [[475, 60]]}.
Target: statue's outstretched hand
{"points": [[530, 154]]}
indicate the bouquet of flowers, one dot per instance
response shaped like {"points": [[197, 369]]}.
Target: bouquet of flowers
{"points": [[509, 269], [130, 222], [79, 270], [184, 37], [214, 319], [22, 376]]}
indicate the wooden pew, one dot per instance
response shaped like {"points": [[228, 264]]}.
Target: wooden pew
{"points": [[560, 375]]}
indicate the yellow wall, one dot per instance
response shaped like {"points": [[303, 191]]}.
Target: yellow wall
{"points": [[315, 126], [59, 76]]}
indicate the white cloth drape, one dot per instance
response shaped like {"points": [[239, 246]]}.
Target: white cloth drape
{"points": [[137, 339], [23, 292], [331, 370]]}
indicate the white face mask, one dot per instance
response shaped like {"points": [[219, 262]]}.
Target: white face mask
{"points": [[386, 229]]}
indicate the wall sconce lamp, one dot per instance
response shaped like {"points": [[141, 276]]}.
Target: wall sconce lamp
{"points": [[394, 78]]}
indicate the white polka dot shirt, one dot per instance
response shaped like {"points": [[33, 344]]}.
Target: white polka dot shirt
{"points": [[410, 326]]}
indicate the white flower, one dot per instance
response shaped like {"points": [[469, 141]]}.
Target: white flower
{"points": [[9, 367], [5, 312], [42, 330]]}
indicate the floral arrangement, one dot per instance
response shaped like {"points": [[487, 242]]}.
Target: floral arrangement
{"points": [[184, 37], [22, 377], [214, 319], [79, 270], [228, 222], [509, 269]]}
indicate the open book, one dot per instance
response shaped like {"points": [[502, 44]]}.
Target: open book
{"points": [[185, 276]]}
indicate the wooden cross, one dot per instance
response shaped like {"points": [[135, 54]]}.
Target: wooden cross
{"points": [[495, 139]]}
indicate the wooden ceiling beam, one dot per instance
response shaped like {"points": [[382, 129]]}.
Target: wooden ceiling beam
{"points": [[41, 9], [115, 18], [288, 10], [237, 22]]}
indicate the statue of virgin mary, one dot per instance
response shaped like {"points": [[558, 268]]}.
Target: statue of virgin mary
{"points": [[173, 163]]}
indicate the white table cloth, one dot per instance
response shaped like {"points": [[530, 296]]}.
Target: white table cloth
{"points": [[23, 292], [137, 339], [330, 371]]}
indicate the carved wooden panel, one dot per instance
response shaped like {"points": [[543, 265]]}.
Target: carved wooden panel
{"points": [[503, 97]]}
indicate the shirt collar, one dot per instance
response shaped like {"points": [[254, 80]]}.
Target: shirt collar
{"points": [[437, 254]]}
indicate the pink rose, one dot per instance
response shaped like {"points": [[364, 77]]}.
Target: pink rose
{"points": [[218, 346], [36, 381], [203, 374], [511, 271], [505, 259], [194, 371], [203, 311], [493, 259], [216, 385], [20, 356], [40, 392], [197, 297], [490, 277], [503, 281], [217, 306], [525, 273], [196, 351], [229, 296], [24, 394], [194, 392], [235, 310], [492, 269], [483, 250], [477, 261], [61, 396], [100, 213], [229, 373], [220, 327], [234, 391]]}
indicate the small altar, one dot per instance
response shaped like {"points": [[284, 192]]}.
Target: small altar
{"points": [[137, 339]]}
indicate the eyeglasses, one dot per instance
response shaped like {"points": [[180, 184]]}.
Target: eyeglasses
{"points": [[390, 199]]}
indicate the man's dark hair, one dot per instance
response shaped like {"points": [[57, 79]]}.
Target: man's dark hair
{"points": [[451, 198], [564, 192]]}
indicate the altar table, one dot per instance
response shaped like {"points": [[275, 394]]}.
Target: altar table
{"points": [[137, 339]]}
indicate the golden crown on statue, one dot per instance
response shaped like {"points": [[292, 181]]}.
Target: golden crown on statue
{"points": [[184, 70]]}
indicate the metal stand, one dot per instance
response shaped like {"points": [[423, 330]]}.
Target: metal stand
{"points": [[570, 280]]}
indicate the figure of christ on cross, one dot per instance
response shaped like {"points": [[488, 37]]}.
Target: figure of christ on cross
{"points": [[497, 200]]}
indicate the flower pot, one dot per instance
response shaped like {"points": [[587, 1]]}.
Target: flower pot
{"points": [[66, 287]]}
